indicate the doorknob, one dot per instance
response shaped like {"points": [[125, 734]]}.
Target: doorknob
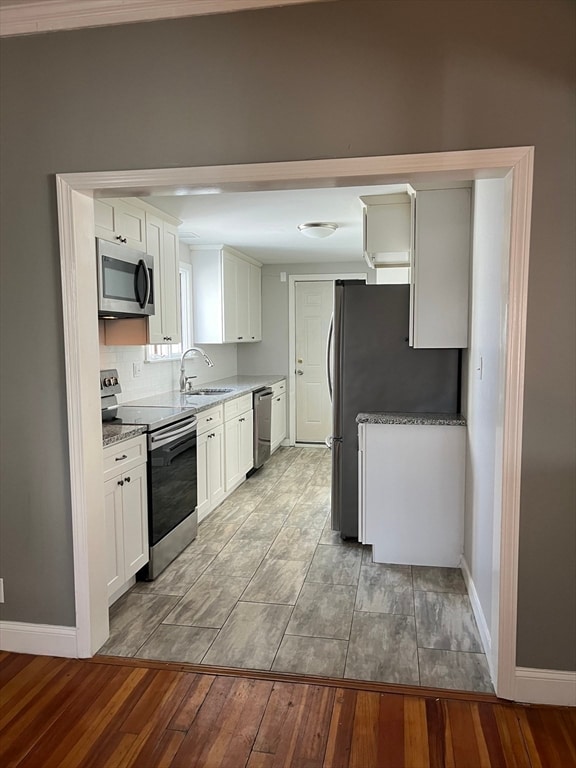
{"points": [[299, 372]]}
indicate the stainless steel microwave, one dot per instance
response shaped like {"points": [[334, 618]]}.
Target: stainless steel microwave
{"points": [[125, 281]]}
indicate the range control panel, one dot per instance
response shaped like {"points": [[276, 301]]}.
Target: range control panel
{"points": [[109, 383]]}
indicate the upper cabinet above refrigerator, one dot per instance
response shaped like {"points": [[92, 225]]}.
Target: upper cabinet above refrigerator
{"points": [[388, 228], [422, 237], [441, 269]]}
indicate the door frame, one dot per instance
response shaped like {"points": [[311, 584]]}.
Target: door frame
{"points": [[75, 192], [292, 280]]}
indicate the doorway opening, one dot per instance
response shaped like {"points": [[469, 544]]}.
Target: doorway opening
{"points": [[75, 193], [314, 306], [310, 310]]}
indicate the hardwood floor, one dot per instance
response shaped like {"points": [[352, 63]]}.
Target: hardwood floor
{"points": [[116, 713]]}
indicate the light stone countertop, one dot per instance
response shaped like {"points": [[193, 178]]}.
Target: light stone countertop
{"points": [[240, 385], [413, 419], [117, 433]]}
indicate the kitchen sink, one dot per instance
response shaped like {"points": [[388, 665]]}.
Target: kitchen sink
{"points": [[209, 391]]}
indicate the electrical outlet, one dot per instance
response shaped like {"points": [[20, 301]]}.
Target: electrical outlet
{"points": [[1, 590], [136, 370]]}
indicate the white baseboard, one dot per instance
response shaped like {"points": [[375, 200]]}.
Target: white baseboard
{"points": [[485, 635], [545, 686], [39, 639]]}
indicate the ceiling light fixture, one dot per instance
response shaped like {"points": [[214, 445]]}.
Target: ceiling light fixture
{"points": [[317, 229]]}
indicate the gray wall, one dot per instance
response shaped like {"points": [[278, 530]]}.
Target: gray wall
{"points": [[325, 80], [271, 354]]}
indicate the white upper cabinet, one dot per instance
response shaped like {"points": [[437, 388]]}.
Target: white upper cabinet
{"points": [[120, 222], [388, 230], [162, 244], [227, 304], [440, 274], [255, 303], [141, 226], [422, 237]]}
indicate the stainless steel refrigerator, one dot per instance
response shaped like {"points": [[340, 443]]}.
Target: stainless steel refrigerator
{"points": [[373, 370]]}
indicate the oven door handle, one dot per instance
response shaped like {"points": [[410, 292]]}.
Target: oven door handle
{"points": [[157, 441]]}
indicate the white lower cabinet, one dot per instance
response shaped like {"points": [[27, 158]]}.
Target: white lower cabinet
{"points": [[278, 416], [238, 440], [210, 460], [126, 511], [411, 492]]}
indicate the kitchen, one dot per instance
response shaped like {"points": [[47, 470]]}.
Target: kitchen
{"points": [[204, 374]]}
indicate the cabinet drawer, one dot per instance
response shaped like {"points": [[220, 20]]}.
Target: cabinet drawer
{"points": [[237, 406], [279, 388], [209, 419], [123, 456]]}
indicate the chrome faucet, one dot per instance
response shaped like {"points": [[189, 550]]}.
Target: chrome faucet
{"points": [[207, 360]]}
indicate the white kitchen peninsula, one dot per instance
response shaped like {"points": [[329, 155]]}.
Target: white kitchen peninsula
{"points": [[411, 487]]}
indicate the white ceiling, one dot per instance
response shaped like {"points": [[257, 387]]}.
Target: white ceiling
{"points": [[264, 225]]}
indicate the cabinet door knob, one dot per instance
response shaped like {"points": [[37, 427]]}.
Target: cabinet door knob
{"points": [[121, 458], [167, 338], [127, 479], [242, 419], [240, 337], [120, 482]]}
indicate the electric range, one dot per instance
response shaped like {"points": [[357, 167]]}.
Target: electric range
{"points": [[171, 471]]}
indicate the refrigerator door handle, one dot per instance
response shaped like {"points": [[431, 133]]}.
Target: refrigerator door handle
{"points": [[329, 355]]}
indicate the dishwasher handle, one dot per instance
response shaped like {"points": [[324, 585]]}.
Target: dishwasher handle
{"points": [[262, 394]]}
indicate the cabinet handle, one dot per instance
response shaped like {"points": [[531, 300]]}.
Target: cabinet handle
{"points": [[127, 479], [120, 482], [167, 338], [240, 337], [121, 458], [242, 419], [278, 399], [210, 418]]}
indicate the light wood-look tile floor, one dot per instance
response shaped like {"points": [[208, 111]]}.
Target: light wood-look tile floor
{"points": [[267, 585]]}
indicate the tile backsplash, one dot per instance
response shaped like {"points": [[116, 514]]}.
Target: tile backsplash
{"points": [[160, 377]]}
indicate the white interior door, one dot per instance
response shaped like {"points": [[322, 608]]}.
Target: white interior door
{"points": [[314, 302]]}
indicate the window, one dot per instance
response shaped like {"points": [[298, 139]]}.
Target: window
{"points": [[158, 352]]}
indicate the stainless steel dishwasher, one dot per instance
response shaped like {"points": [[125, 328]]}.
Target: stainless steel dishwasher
{"points": [[262, 420]]}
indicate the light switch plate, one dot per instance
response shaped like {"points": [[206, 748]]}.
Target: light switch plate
{"points": [[136, 370]]}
